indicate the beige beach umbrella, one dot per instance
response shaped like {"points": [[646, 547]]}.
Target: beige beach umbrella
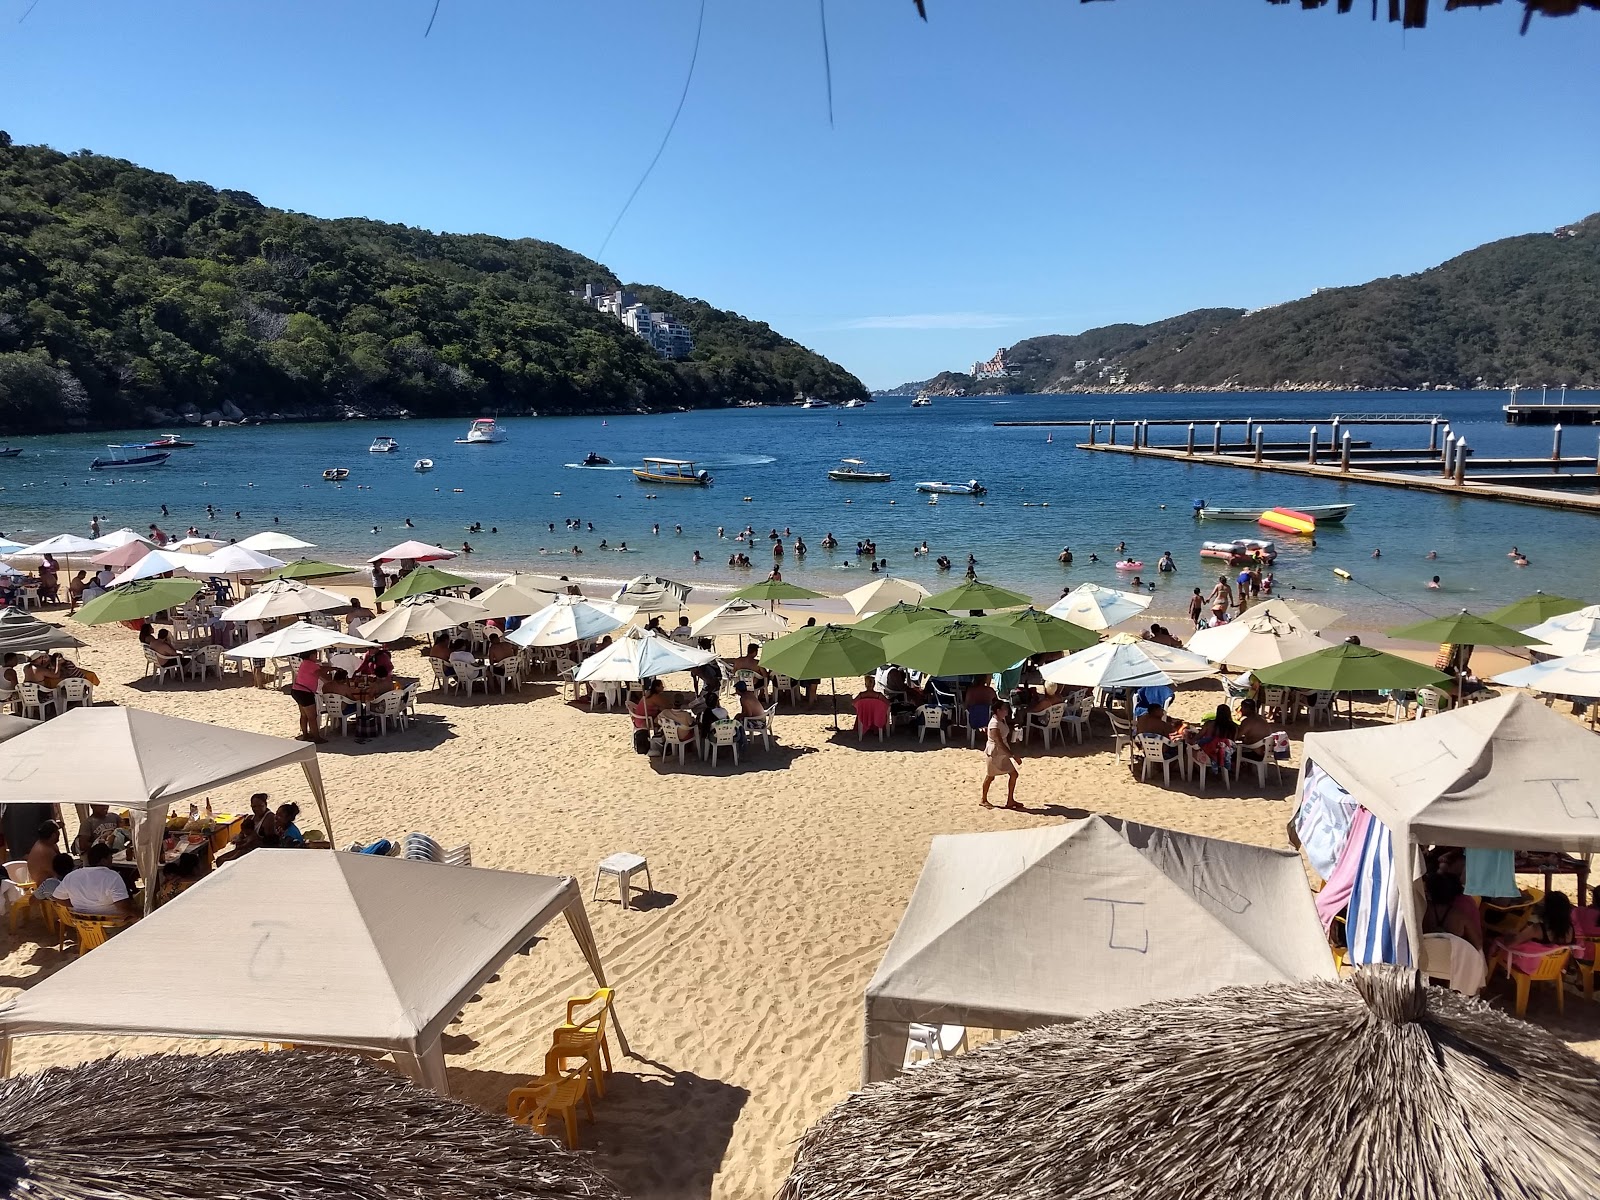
{"points": [[884, 593], [653, 594], [1096, 607], [190, 1127], [420, 616], [741, 617], [571, 619], [1374, 1088], [121, 537], [271, 541], [1304, 613], [1570, 633], [1254, 641], [284, 598], [297, 639], [151, 565], [197, 545], [232, 560], [513, 596]]}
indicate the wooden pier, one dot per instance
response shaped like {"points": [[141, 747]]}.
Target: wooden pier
{"points": [[1343, 419], [1546, 411]]}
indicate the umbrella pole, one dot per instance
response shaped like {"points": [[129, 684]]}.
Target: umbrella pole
{"points": [[833, 688]]}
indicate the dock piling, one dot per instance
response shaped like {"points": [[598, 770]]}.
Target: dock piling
{"points": [[1261, 437], [1188, 447], [1461, 461], [1344, 454], [1433, 435], [1555, 446], [1216, 438], [1311, 454], [1111, 436], [1449, 452]]}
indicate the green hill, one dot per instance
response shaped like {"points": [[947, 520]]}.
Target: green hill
{"points": [[1525, 309], [127, 296]]}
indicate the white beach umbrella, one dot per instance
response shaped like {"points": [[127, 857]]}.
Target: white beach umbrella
{"points": [[271, 540], [197, 545], [1126, 663], [231, 560], [1255, 640], [284, 598], [1315, 617], [571, 619], [7, 569], [885, 593], [296, 639], [1569, 634], [420, 616], [121, 537], [63, 544], [637, 656], [153, 564], [653, 594], [739, 617], [413, 552], [7, 546], [513, 596], [1096, 607], [1577, 675]]}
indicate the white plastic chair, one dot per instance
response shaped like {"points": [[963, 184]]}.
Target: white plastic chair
{"points": [[1044, 723], [609, 694], [30, 597], [36, 699], [1430, 702], [1200, 766], [1154, 748], [1257, 755], [470, 675], [1121, 734], [1076, 718], [924, 1043], [441, 676], [783, 686], [409, 702], [1273, 700], [330, 710], [206, 658], [679, 736], [1320, 709], [72, 691], [724, 735], [933, 719], [761, 727], [161, 668], [391, 706]]}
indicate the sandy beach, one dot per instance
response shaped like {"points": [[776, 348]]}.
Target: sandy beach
{"points": [[780, 883]]}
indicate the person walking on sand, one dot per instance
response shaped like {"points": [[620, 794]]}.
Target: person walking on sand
{"points": [[1000, 758]]}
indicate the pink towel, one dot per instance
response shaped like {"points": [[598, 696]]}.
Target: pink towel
{"points": [[1526, 956], [1335, 893]]}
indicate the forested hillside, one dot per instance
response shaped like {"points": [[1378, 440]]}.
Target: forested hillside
{"points": [[127, 295], [1522, 310]]}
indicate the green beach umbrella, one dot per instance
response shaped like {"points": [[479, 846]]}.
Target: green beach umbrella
{"points": [[899, 616], [1039, 631], [955, 647], [133, 601], [772, 590], [824, 652], [1464, 629], [422, 581], [309, 568], [1531, 610], [974, 593], [1351, 668]]}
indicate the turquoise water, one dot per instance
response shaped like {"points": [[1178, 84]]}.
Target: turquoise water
{"points": [[1043, 496]]}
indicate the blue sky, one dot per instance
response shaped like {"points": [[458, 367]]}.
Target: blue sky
{"points": [[1006, 169]]}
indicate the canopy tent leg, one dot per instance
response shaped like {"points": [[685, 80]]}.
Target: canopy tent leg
{"points": [[883, 1048], [426, 1067], [149, 832], [314, 781], [578, 922], [5, 1056]]}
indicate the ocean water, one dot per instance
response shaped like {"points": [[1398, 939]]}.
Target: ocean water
{"points": [[770, 472]]}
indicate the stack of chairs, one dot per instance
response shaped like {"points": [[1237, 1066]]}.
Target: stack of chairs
{"points": [[561, 1089]]}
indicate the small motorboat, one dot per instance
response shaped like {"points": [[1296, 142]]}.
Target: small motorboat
{"points": [[422, 464], [970, 488], [333, 474], [923, 400], [592, 459], [169, 441], [10, 451], [856, 403], [671, 471], [1323, 514], [383, 444], [123, 459], [851, 472], [483, 432], [813, 402]]}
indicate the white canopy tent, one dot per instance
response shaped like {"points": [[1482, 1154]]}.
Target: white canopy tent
{"points": [[347, 950], [143, 762], [1569, 634], [1577, 675], [1505, 774], [739, 617], [1029, 927]]}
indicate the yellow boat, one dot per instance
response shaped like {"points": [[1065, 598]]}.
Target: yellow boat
{"points": [[671, 471]]}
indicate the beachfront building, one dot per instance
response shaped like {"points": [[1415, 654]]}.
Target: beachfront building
{"points": [[994, 368], [668, 336]]}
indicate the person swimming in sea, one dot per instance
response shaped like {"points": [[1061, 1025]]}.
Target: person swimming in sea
{"points": [[1094, 558], [1065, 556], [1434, 583], [1521, 560], [1165, 565]]}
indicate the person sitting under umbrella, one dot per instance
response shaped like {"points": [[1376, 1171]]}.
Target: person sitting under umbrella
{"points": [[96, 888], [357, 614], [1154, 719]]}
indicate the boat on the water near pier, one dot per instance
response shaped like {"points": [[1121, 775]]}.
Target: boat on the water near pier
{"points": [[383, 444], [422, 464], [923, 400], [851, 472], [970, 488], [334, 474], [169, 441], [483, 433], [679, 471], [123, 459], [1324, 514], [10, 451]]}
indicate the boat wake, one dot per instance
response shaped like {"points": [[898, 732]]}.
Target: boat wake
{"points": [[730, 460]]}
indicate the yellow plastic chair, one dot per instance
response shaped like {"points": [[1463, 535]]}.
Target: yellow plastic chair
{"points": [[1505, 920], [550, 1095], [21, 906], [1586, 966], [584, 1036], [94, 928], [1549, 970], [55, 913]]}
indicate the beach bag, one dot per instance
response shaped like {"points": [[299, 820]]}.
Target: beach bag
{"points": [[641, 741], [1279, 745]]}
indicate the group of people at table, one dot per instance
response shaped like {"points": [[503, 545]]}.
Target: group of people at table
{"points": [[690, 718], [45, 669]]}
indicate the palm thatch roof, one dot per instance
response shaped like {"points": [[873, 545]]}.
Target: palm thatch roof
{"points": [[1414, 13], [259, 1126], [1375, 1088]]}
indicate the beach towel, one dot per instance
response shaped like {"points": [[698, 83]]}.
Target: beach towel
{"points": [[1323, 820], [1490, 873], [1446, 956], [1335, 893], [1373, 927]]}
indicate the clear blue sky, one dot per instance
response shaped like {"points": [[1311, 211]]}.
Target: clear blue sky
{"points": [[1004, 170]]}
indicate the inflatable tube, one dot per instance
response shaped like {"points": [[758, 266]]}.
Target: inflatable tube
{"points": [[1341, 573], [1130, 566], [1241, 550], [1287, 520]]}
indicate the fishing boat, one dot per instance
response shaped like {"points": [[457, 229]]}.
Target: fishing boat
{"points": [[10, 451], [1324, 514], [813, 402], [592, 459], [169, 441], [671, 471], [923, 400], [856, 403], [970, 488], [422, 464], [333, 474], [123, 459], [482, 433], [851, 472]]}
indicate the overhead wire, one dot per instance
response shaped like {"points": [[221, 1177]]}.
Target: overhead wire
{"points": [[431, 18], [827, 59]]}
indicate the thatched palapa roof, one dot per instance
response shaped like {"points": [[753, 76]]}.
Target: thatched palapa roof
{"points": [[259, 1126], [1376, 1088], [1414, 13]]}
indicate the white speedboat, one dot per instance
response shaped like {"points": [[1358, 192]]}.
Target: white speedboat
{"points": [[856, 403], [813, 402], [383, 444], [334, 474], [851, 472], [923, 400], [970, 488], [422, 464], [1324, 514], [483, 433]]}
